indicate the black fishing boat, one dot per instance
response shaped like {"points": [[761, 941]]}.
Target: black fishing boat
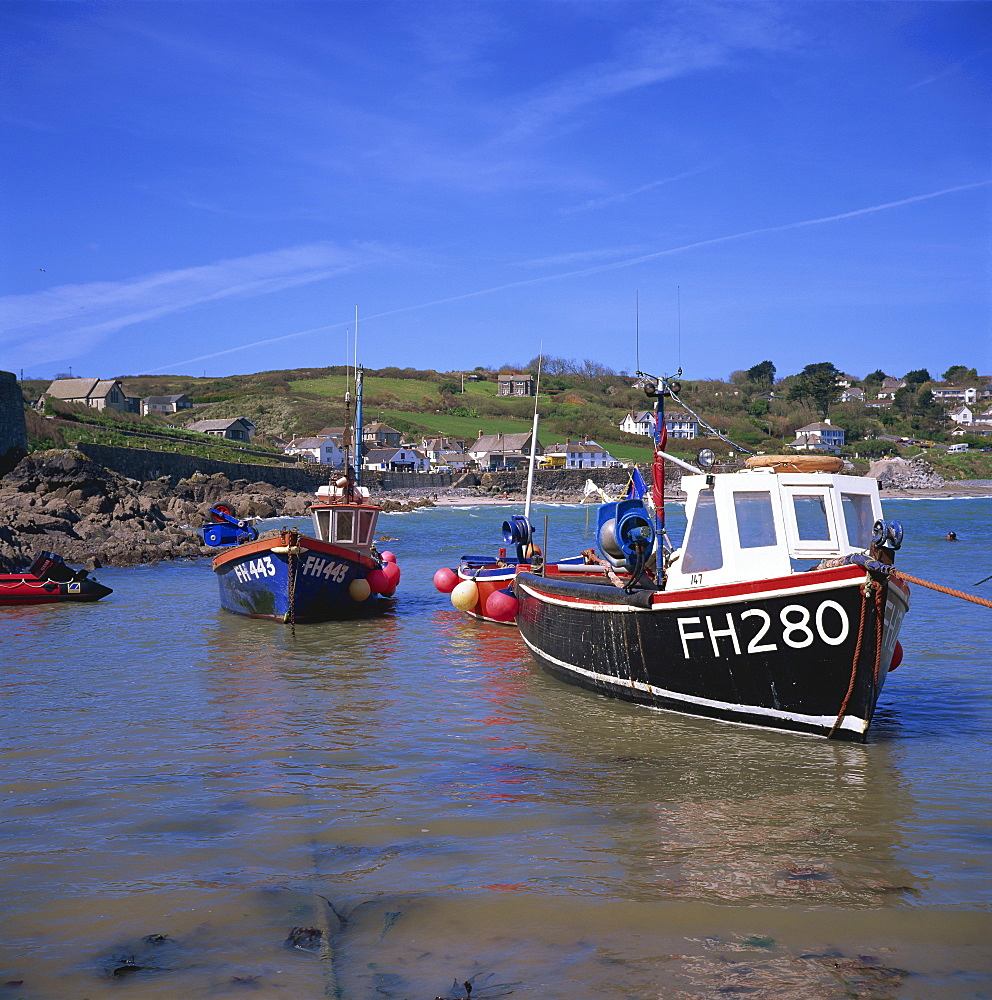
{"points": [[778, 610]]}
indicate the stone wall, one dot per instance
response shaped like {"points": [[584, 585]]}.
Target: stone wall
{"points": [[13, 432]]}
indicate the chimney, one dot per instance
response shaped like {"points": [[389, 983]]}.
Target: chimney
{"points": [[826, 420]]}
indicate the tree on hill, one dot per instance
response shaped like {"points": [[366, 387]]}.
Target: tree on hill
{"points": [[817, 385], [958, 373], [762, 373], [918, 376]]}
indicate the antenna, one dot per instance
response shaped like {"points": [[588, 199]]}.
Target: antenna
{"points": [[637, 328], [678, 293]]}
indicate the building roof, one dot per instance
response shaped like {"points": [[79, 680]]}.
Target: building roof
{"points": [[819, 428], [504, 442], [314, 442], [158, 400], [641, 416], [377, 427], [575, 448], [388, 454], [218, 425], [81, 388]]}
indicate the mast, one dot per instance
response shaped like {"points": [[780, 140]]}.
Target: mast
{"points": [[533, 443], [358, 425]]}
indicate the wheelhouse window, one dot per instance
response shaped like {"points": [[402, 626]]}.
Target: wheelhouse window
{"points": [[322, 522], [755, 519], [703, 550], [811, 517], [344, 526], [366, 522], [859, 518]]}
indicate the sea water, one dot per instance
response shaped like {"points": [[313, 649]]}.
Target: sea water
{"points": [[182, 788]]}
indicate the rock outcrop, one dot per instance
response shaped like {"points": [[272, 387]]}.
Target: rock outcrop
{"points": [[62, 502], [901, 474]]}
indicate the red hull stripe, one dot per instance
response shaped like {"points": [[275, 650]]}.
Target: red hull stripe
{"points": [[804, 583]]}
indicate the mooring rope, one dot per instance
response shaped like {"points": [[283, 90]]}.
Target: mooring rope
{"points": [[868, 588], [899, 575]]}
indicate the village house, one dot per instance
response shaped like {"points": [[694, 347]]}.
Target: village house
{"points": [[889, 387], [585, 454], [325, 450], [823, 436], [514, 384], [403, 459], [166, 404], [678, 424], [234, 429], [445, 452], [961, 393], [852, 395], [101, 394], [502, 451], [380, 435]]}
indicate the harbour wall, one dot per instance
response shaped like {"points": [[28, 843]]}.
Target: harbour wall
{"points": [[13, 432], [144, 465]]}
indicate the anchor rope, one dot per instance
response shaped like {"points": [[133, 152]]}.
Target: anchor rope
{"points": [[868, 589], [985, 602]]}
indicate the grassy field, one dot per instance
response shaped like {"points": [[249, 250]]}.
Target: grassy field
{"points": [[404, 389]]}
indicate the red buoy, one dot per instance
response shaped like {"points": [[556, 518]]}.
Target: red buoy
{"points": [[378, 582], [445, 580], [392, 573], [896, 656], [501, 606], [388, 556]]}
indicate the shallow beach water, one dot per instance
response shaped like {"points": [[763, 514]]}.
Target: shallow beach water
{"points": [[182, 787]]}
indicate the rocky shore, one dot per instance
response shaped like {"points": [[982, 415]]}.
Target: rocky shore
{"points": [[62, 502]]}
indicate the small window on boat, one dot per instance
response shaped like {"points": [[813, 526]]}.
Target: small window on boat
{"points": [[345, 527], [755, 520], [322, 522], [811, 517], [366, 519], [703, 550], [859, 518]]}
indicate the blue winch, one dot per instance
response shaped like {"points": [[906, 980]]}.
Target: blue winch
{"points": [[227, 529], [624, 532], [518, 531]]}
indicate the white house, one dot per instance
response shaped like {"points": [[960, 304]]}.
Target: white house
{"points": [[679, 424], [402, 459], [640, 422], [889, 387], [325, 450], [166, 404], [585, 454], [961, 393], [502, 451], [819, 437], [852, 395]]}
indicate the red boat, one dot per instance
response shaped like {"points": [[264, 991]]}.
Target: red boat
{"points": [[48, 580]]}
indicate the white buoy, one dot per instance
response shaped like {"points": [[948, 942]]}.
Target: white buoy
{"points": [[465, 596]]}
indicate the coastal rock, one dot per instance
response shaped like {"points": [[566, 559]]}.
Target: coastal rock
{"points": [[902, 474]]}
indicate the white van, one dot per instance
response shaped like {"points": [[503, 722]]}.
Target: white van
{"points": [[956, 449]]}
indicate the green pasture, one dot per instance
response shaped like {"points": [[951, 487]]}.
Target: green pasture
{"points": [[406, 390]]}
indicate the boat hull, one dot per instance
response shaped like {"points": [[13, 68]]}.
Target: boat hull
{"points": [[295, 578], [780, 654], [26, 588]]}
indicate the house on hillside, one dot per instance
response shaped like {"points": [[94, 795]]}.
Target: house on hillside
{"points": [[585, 454], [234, 428], [403, 459], [380, 435], [325, 450], [514, 384], [852, 395], [101, 394], [823, 436], [503, 451], [889, 387], [166, 404], [961, 415], [639, 422], [962, 393]]}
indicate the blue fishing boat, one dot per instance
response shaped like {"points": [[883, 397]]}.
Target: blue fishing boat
{"points": [[288, 576]]}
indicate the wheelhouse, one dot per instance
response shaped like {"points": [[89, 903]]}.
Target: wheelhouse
{"points": [[759, 523], [342, 520]]}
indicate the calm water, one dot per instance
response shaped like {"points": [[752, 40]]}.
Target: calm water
{"points": [[169, 769]]}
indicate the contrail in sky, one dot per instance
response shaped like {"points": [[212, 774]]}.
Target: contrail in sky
{"points": [[596, 268]]}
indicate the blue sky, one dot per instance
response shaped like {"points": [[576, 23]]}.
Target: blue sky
{"points": [[215, 186]]}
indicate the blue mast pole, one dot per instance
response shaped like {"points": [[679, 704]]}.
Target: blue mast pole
{"points": [[358, 425]]}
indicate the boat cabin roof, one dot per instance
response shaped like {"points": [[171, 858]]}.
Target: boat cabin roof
{"points": [[758, 523]]}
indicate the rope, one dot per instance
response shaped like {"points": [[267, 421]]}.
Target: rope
{"points": [[867, 589], [293, 542], [898, 574]]}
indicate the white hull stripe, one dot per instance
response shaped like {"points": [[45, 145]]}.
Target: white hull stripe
{"points": [[694, 602], [820, 721]]}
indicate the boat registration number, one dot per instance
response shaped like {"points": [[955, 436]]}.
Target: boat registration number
{"points": [[254, 569], [326, 568], [797, 627]]}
